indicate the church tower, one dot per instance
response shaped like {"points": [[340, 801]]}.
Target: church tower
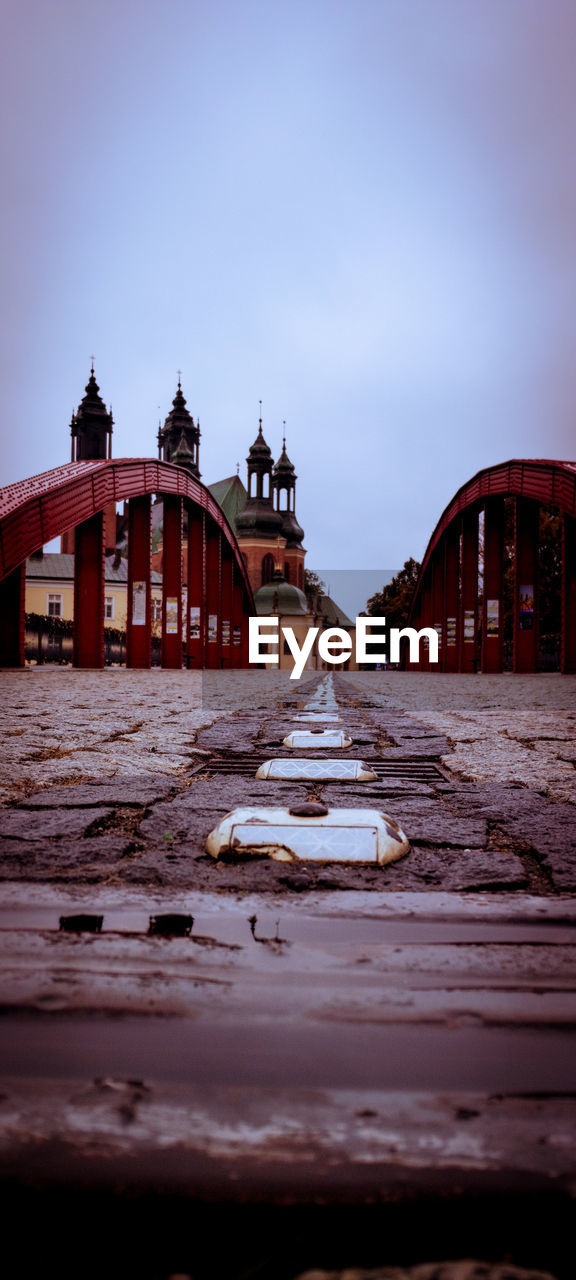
{"points": [[267, 530], [284, 488], [179, 438], [91, 431], [91, 426]]}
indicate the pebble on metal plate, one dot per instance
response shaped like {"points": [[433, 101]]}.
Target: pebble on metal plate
{"points": [[317, 835], [317, 738], [319, 770]]}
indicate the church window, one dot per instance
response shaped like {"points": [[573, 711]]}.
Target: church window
{"points": [[267, 568], [287, 571]]}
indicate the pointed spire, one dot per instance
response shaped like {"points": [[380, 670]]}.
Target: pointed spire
{"points": [[259, 449], [182, 454], [258, 515], [284, 466], [91, 425], [179, 438]]}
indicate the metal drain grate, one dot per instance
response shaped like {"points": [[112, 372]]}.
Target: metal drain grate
{"points": [[417, 770], [245, 764]]}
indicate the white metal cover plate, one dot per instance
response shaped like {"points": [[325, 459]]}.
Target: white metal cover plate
{"points": [[317, 844], [339, 835], [312, 716], [339, 770], [325, 738]]}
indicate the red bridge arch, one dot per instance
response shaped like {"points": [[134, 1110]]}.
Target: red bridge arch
{"points": [[75, 496], [447, 597]]}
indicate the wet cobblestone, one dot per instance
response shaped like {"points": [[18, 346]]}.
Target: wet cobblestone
{"points": [[500, 728], [108, 777]]}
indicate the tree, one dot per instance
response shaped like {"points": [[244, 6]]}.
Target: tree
{"points": [[313, 586], [394, 600]]}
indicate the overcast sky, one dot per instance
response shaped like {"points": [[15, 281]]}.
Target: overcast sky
{"points": [[361, 212]]}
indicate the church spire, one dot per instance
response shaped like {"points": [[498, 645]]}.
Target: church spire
{"points": [[179, 438], [259, 515], [284, 485], [91, 425]]}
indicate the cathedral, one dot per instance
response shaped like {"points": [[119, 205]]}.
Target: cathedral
{"points": [[263, 515]]}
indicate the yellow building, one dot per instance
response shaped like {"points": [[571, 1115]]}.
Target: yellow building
{"points": [[50, 589]]}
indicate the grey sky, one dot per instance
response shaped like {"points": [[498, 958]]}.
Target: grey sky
{"points": [[362, 213]]}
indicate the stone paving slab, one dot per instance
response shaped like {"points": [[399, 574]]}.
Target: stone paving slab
{"points": [[132, 790], [90, 860], [18, 824], [501, 728]]}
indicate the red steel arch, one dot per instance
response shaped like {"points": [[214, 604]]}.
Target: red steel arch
{"points": [[446, 595], [74, 496]]}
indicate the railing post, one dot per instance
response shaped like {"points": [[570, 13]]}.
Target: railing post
{"points": [[196, 592], [227, 605], [139, 602], [89, 592], [237, 620], [525, 617], [451, 585], [437, 605], [468, 611], [12, 618], [492, 645], [214, 597], [426, 619], [244, 644], [172, 583], [568, 653]]}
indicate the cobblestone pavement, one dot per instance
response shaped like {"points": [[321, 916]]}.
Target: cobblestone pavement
{"points": [[500, 728], [312, 1034], [59, 725], [109, 776]]}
